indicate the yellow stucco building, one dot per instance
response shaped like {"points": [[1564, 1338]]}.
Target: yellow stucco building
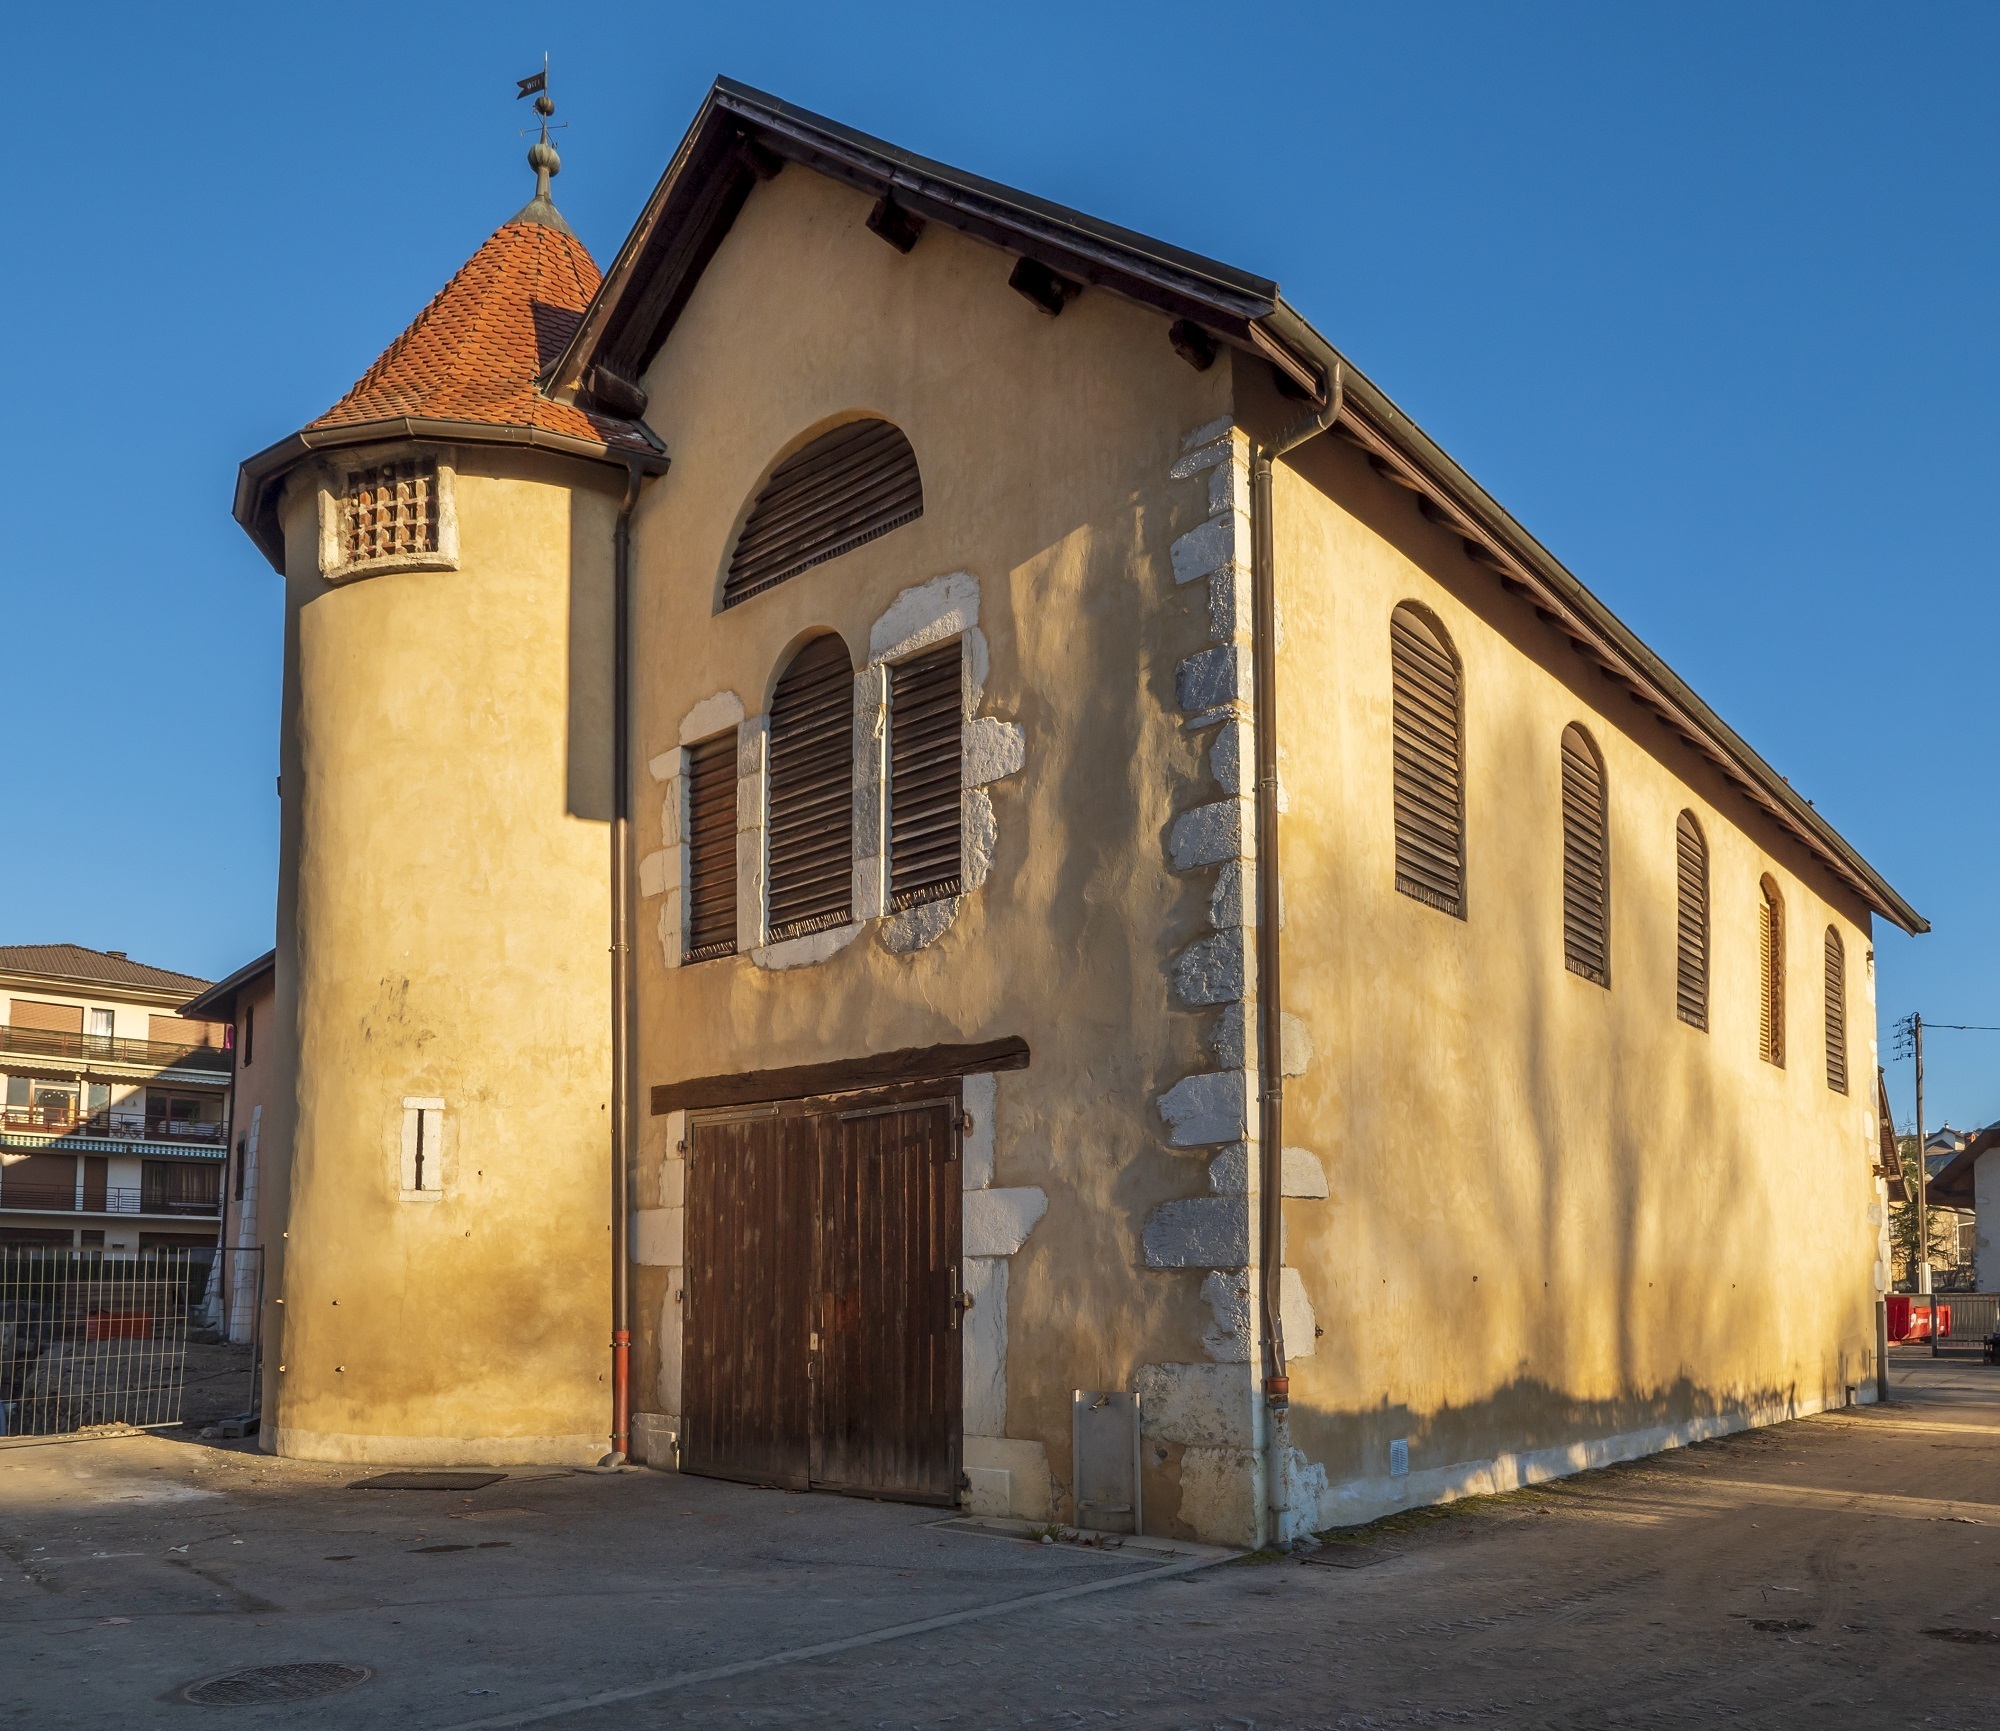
{"points": [[935, 811]]}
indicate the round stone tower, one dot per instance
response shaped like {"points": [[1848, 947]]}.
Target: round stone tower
{"points": [[435, 1206]]}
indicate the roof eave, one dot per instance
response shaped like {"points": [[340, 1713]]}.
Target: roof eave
{"points": [[1246, 311], [259, 478], [218, 1003], [1375, 423]]}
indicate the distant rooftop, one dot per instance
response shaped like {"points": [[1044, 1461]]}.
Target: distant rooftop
{"points": [[95, 967]]}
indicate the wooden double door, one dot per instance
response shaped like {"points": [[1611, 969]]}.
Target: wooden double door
{"points": [[821, 1295]]}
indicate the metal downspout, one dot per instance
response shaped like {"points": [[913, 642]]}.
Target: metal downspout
{"points": [[1270, 979], [621, 975]]}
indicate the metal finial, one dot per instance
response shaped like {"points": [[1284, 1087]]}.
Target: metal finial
{"points": [[542, 157]]}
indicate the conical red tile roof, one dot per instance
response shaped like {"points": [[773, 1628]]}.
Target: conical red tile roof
{"points": [[475, 352]]}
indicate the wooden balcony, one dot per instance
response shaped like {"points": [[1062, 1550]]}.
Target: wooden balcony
{"points": [[85, 1051]]}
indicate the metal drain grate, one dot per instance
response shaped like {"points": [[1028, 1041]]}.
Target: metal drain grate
{"points": [[264, 1684]]}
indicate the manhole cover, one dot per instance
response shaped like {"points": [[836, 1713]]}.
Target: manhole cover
{"points": [[263, 1684], [427, 1482]]}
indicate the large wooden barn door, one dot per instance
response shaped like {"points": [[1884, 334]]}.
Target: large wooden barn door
{"points": [[886, 1387], [820, 1334], [746, 1295]]}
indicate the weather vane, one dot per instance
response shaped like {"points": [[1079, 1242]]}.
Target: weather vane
{"points": [[542, 157]]}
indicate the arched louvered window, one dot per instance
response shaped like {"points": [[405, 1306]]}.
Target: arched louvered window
{"points": [[1428, 768], [1691, 931], [1586, 860], [848, 486], [811, 823], [1771, 976], [1836, 1012]]}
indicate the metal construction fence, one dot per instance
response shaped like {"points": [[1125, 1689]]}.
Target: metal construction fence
{"points": [[89, 1339], [1965, 1322]]}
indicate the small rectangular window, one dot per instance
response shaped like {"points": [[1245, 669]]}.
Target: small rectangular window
{"points": [[711, 835], [242, 1155], [249, 1033], [926, 751], [423, 1149], [389, 512]]}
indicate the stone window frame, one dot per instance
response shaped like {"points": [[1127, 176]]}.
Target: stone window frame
{"points": [[924, 617], [337, 475]]}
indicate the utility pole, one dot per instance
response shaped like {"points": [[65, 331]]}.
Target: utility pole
{"points": [[1923, 1170]]}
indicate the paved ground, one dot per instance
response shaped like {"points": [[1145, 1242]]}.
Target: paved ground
{"points": [[1840, 1571]]}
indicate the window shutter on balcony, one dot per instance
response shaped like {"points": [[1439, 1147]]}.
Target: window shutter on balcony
{"points": [[1691, 936], [1836, 1012], [1429, 797], [711, 886], [811, 826], [926, 750], [51, 1018], [848, 487], [1585, 864]]}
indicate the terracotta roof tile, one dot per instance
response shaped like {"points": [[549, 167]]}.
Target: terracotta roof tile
{"points": [[74, 962], [475, 352]]}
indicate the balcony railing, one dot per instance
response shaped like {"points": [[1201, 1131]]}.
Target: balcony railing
{"points": [[111, 1123], [109, 1049], [68, 1199]]}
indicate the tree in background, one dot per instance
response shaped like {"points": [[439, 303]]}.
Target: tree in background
{"points": [[1903, 1226]]}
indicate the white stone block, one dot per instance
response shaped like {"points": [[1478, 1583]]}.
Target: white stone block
{"points": [[1228, 605], [652, 1440], [1207, 433], [997, 1222], [1198, 1232], [666, 764], [1213, 677], [980, 1096], [1026, 1465], [1229, 487], [984, 1346], [1225, 758], [1203, 1109], [1295, 1310], [1227, 904], [653, 876], [711, 716], [804, 952], [1224, 1038], [669, 1385], [993, 749], [978, 836], [1209, 834], [1220, 542], [672, 1182], [925, 614], [1198, 1405], [1305, 1177], [1210, 970], [656, 1237], [1295, 1044], [1231, 1336], [989, 1491], [1219, 1495], [919, 927]]}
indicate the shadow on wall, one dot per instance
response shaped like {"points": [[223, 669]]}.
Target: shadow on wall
{"points": [[1603, 1196], [589, 702]]}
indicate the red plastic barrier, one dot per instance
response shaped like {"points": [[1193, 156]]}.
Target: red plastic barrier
{"points": [[1910, 1317]]}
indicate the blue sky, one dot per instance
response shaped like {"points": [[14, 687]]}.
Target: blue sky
{"points": [[1705, 294]]}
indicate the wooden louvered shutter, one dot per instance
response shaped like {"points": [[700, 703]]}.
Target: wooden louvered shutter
{"points": [[1691, 939], [812, 791], [856, 483], [1586, 864], [1771, 981], [926, 745], [1429, 797], [1836, 1012], [711, 885]]}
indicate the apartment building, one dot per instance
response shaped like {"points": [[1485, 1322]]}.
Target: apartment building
{"points": [[115, 1131]]}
